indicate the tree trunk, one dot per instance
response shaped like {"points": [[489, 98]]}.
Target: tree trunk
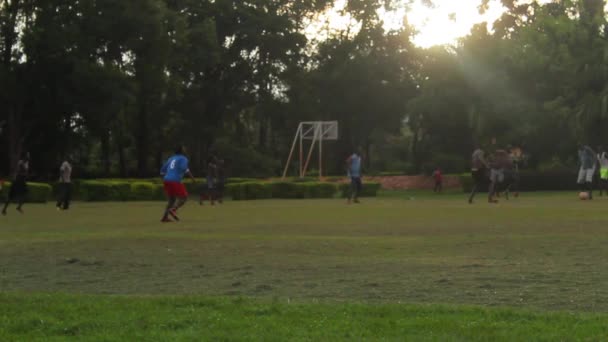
{"points": [[15, 142], [415, 160], [122, 166], [105, 153], [141, 140]]}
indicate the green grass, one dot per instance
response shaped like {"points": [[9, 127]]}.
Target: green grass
{"points": [[109, 318], [343, 269]]}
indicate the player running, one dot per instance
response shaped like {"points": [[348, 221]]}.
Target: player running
{"points": [[173, 172], [588, 160], [18, 190], [479, 167]]}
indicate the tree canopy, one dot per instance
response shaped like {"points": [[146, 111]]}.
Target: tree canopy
{"points": [[116, 84]]}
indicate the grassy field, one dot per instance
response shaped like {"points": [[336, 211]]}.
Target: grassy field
{"points": [[375, 270]]}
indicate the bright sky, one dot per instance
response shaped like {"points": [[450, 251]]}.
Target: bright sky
{"points": [[447, 21]]}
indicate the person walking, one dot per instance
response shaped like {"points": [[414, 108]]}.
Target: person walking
{"points": [[64, 186]]}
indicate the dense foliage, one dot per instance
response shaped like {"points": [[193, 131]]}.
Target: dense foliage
{"points": [[115, 84]]}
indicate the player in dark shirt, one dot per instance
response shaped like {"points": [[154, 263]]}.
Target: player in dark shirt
{"points": [[18, 190]]}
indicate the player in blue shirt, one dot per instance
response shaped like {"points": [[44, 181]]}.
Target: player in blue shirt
{"points": [[173, 172], [353, 164]]}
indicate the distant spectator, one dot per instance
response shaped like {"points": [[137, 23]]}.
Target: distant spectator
{"points": [[479, 171], [588, 160], [353, 164], [438, 177], [65, 185]]}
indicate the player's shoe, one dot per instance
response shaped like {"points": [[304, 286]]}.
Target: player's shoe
{"points": [[166, 220], [20, 210], [173, 213]]}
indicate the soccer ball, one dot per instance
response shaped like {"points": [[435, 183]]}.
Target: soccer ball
{"points": [[583, 196]]}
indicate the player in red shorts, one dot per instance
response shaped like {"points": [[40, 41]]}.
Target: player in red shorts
{"points": [[173, 172]]}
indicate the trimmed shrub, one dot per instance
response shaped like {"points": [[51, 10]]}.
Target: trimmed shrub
{"points": [[235, 191], [195, 188], [257, 190], [37, 192], [370, 189], [318, 190], [282, 190], [104, 191], [287, 190], [145, 191], [237, 180]]}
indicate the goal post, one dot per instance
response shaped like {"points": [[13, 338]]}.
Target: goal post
{"points": [[317, 132]]}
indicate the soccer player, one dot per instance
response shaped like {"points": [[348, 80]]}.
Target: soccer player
{"points": [[18, 190], [173, 172], [438, 177], [65, 185], [479, 167], [512, 171], [209, 190], [353, 164], [588, 160], [499, 161]]}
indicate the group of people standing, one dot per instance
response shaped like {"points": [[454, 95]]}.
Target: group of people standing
{"points": [[590, 162], [500, 168]]}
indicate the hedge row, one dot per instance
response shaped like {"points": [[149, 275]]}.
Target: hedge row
{"points": [[117, 190], [37, 192], [294, 190]]}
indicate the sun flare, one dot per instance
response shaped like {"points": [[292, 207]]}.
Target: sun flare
{"points": [[442, 23]]}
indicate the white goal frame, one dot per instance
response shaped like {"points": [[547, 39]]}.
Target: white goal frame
{"points": [[317, 131]]}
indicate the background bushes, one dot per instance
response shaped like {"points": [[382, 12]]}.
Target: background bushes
{"points": [[147, 190], [97, 191], [370, 189], [37, 192]]}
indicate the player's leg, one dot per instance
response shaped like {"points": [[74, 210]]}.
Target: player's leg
{"points": [[220, 192], [68, 196], [6, 204], [20, 202], [358, 188], [181, 201], [170, 204], [515, 184], [589, 179], [493, 186], [60, 190], [12, 195], [476, 184], [581, 180], [351, 194], [211, 190]]}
